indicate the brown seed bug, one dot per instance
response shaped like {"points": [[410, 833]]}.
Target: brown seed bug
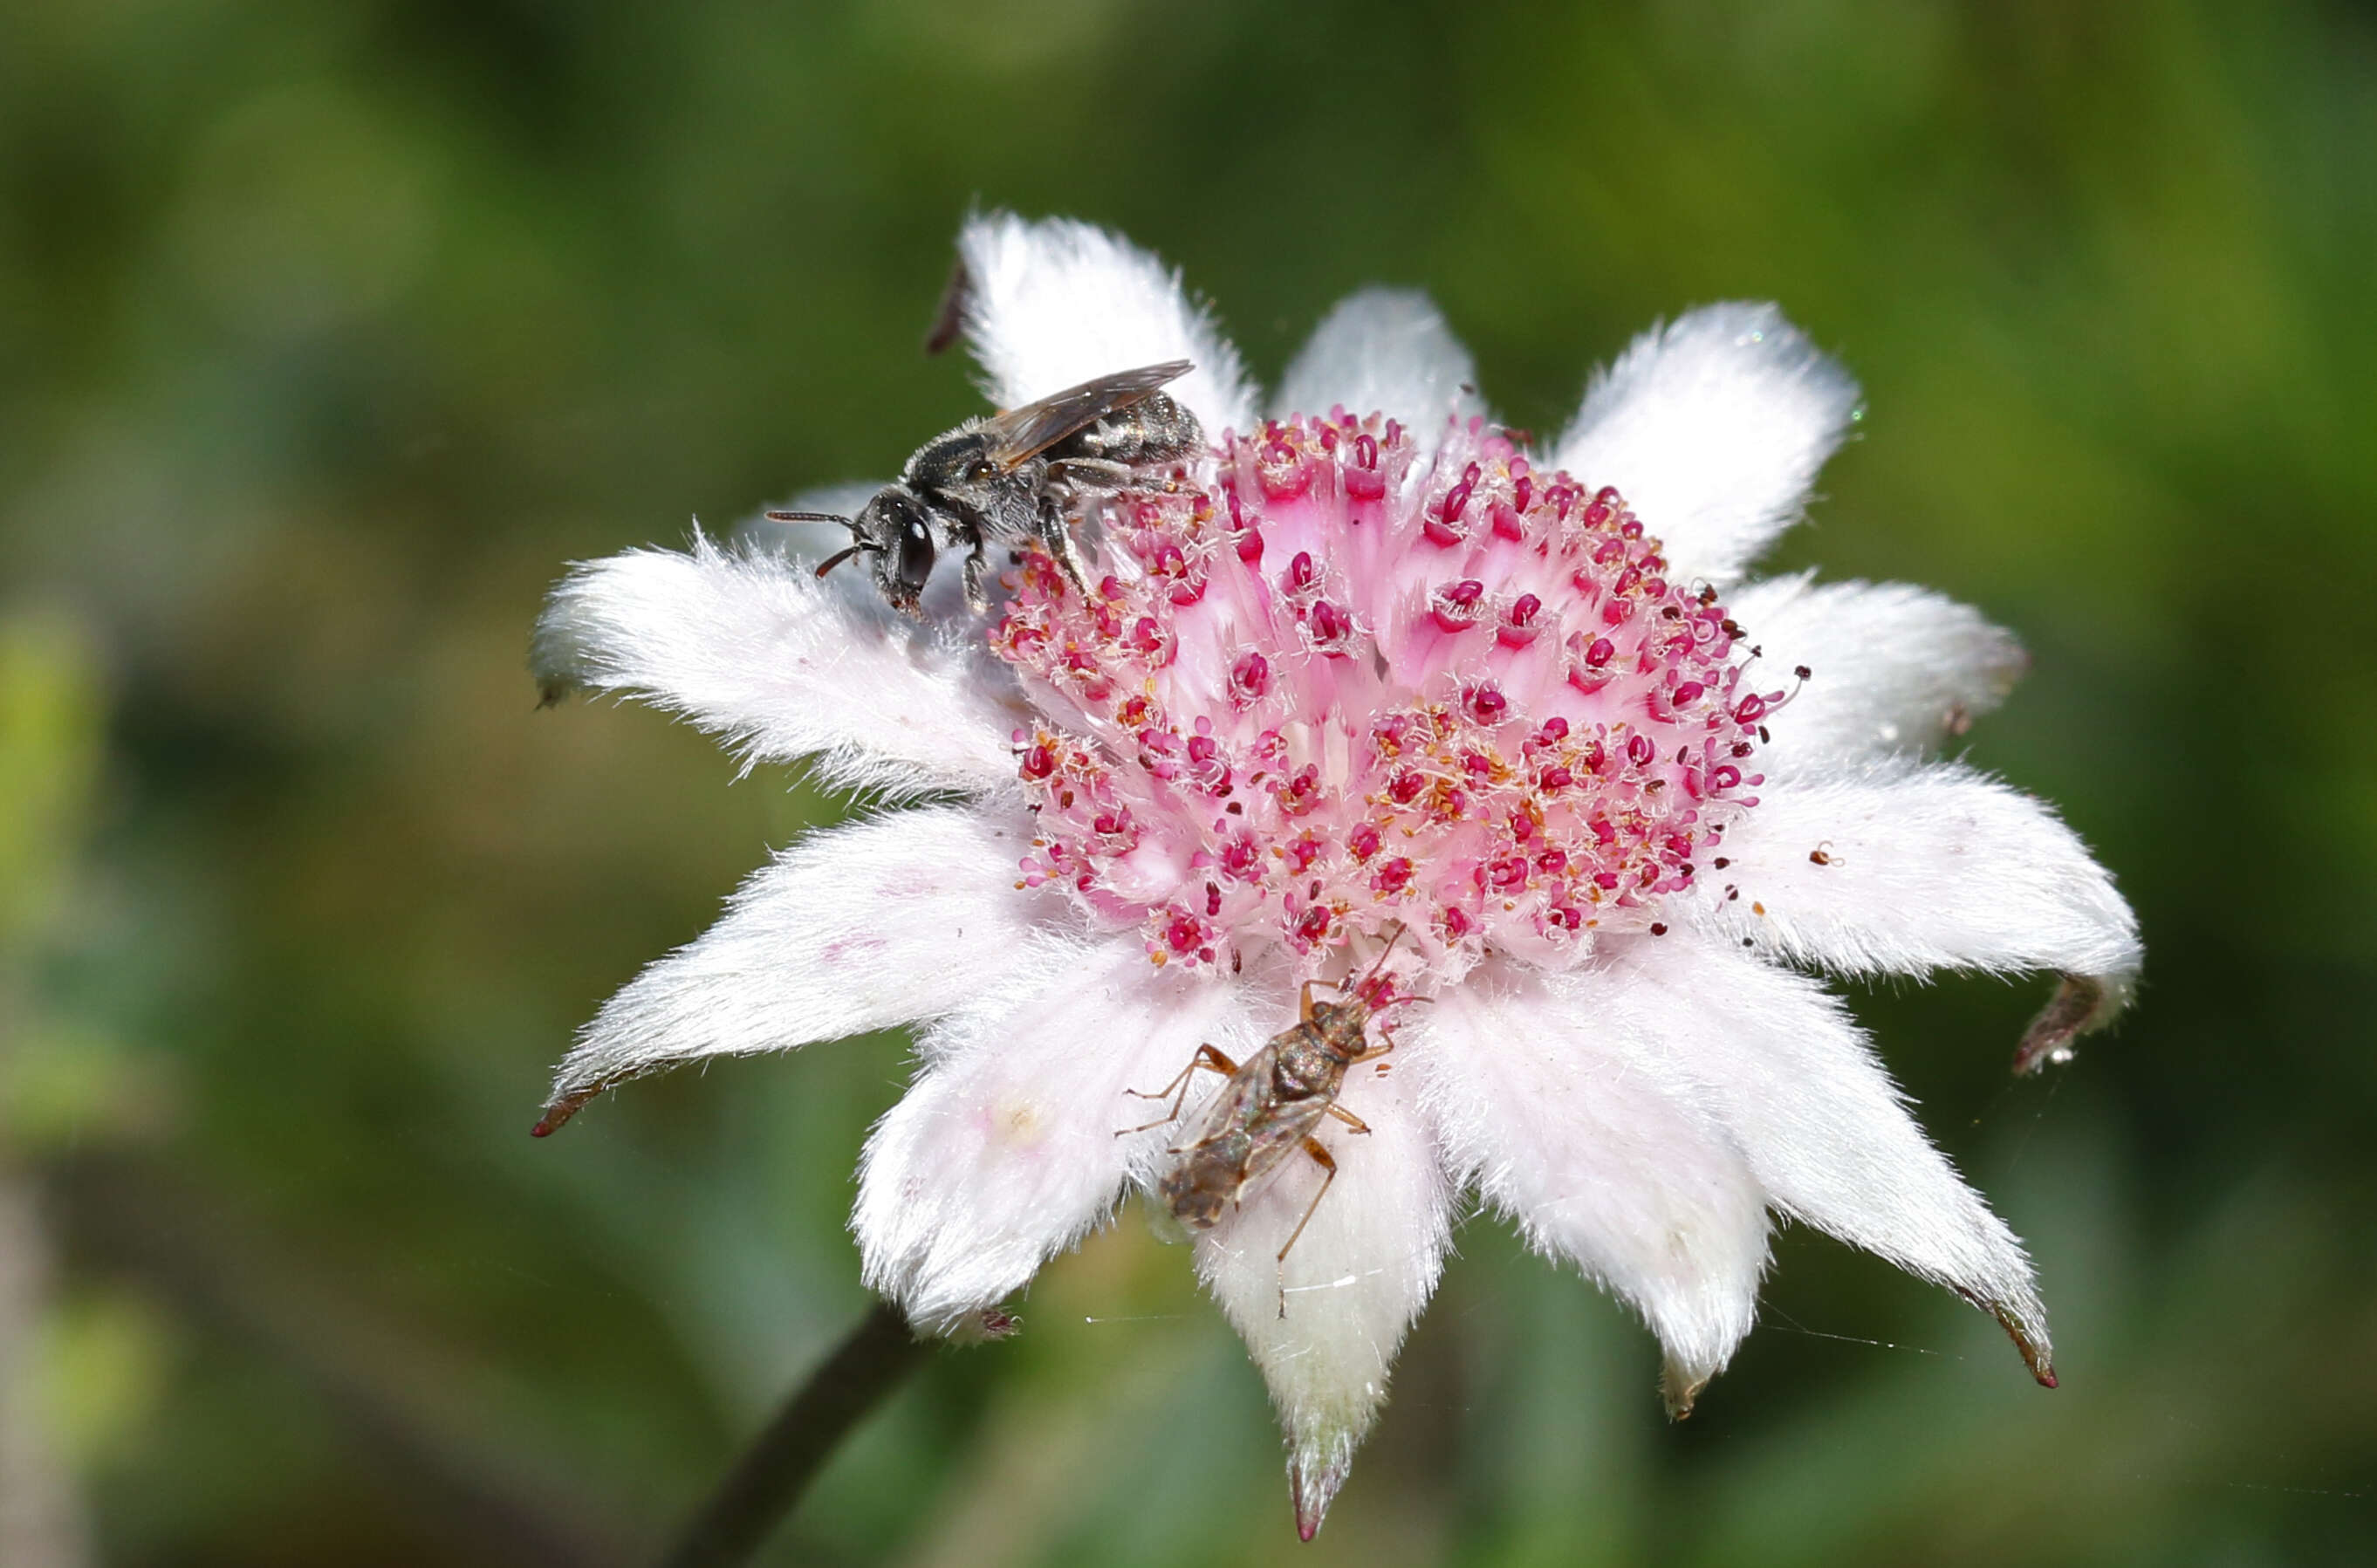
{"points": [[1270, 1105]]}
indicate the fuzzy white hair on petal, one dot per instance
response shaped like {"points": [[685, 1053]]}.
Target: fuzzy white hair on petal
{"points": [[1714, 427], [1894, 667], [788, 964], [1384, 349], [1563, 1100], [1824, 1131], [1056, 302], [752, 647], [1900, 867], [1005, 1150]]}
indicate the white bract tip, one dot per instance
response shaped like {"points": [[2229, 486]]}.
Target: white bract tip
{"points": [[1713, 425], [1056, 303], [1384, 349]]}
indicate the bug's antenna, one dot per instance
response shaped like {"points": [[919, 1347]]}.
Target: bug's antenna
{"points": [[1380, 963]]}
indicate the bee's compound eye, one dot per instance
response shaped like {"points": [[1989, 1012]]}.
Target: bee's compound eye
{"points": [[916, 553]]}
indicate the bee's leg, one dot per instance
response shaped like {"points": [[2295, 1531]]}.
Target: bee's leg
{"points": [[1091, 474], [1075, 567], [1068, 550], [977, 600], [1328, 1164], [1347, 1117], [1058, 534], [1209, 1058]]}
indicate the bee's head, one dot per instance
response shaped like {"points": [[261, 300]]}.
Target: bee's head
{"points": [[896, 530]]}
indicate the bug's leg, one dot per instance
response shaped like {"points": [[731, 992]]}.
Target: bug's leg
{"points": [[1328, 1164], [1347, 1117], [1304, 1007], [1209, 1058]]}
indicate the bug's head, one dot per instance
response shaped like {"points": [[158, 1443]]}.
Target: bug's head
{"points": [[1339, 1026], [895, 530]]}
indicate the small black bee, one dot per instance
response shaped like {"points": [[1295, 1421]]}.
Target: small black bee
{"points": [[1013, 476]]}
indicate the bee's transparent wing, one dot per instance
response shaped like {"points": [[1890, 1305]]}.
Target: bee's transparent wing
{"points": [[1020, 435]]}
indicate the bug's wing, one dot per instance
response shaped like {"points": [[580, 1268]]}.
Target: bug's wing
{"points": [[1234, 1106], [1278, 1135], [1020, 435]]}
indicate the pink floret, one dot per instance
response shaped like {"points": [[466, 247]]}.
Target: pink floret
{"points": [[1324, 687]]}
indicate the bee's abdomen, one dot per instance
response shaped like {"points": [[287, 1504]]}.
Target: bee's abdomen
{"points": [[1155, 429]]}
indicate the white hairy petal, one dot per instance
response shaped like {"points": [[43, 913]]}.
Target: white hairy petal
{"points": [[1894, 668], [1384, 349], [1004, 1151], [1056, 302], [752, 647], [902, 917], [1571, 1104], [1713, 428], [1923, 866], [1358, 1276], [1824, 1129]]}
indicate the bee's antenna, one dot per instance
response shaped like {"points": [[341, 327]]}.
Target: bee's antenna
{"points": [[831, 561]]}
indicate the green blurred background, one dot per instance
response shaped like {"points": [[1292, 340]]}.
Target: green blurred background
{"points": [[329, 332]]}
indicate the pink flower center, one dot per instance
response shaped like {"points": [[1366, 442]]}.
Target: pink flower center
{"points": [[1335, 689]]}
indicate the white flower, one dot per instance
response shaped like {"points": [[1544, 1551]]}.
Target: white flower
{"points": [[1356, 671]]}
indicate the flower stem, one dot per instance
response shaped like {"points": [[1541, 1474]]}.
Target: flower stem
{"points": [[773, 1473]]}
